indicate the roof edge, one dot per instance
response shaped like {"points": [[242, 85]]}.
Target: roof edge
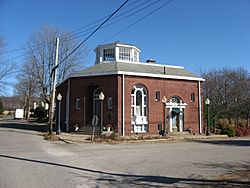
{"points": [[143, 75]]}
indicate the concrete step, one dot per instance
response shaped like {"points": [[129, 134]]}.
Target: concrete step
{"points": [[184, 133], [88, 130]]}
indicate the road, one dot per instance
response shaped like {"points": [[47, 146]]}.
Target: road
{"points": [[27, 160]]}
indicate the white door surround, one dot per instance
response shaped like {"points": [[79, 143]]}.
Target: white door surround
{"points": [[175, 113]]}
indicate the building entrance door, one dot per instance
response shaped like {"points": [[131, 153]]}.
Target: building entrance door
{"points": [[97, 104], [176, 120], [176, 108]]}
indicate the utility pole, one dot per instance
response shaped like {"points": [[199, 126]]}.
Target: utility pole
{"points": [[52, 105]]}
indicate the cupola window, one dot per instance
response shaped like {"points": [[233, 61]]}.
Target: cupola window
{"points": [[109, 54], [135, 56], [125, 54], [117, 52]]}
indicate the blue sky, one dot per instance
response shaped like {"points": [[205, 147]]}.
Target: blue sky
{"points": [[197, 34]]}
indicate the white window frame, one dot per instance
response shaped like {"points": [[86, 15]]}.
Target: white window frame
{"points": [[125, 54], [108, 54], [139, 122], [136, 54]]}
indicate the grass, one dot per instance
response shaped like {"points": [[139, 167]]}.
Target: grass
{"points": [[114, 138], [50, 137], [240, 175]]}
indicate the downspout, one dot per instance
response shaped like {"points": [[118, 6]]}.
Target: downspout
{"points": [[68, 106], [123, 105], [200, 122]]}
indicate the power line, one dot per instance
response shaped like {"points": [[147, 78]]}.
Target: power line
{"points": [[93, 32], [115, 17], [123, 18], [43, 43], [137, 21], [78, 30], [71, 36], [74, 32]]}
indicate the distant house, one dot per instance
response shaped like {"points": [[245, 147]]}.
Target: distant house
{"points": [[136, 95], [10, 104]]}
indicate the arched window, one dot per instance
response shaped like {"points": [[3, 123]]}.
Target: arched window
{"points": [[175, 100], [96, 93], [139, 107]]}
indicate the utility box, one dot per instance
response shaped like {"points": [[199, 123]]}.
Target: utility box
{"points": [[19, 114]]}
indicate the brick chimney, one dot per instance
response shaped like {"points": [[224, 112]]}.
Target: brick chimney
{"points": [[151, 61]]}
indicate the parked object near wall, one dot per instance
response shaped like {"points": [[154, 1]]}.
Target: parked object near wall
{"points": [[19, 114]]}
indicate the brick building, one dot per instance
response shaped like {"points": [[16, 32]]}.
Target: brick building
{"points": [[138, 97]]}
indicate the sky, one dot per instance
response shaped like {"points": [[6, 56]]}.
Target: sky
{"points": [[200, 35]]}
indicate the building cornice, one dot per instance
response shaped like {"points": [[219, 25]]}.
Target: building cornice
{"points": [[174, 77]]}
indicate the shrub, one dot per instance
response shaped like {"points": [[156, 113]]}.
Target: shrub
{"points": [[242, 122], [113, 136], [40, 112], [230, 131], [222, 123], [242, 131], [10, 113], [1, 107], [239, 131]]}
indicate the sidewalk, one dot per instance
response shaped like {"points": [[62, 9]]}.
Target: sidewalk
{"points": [[74, 138], [79, 138], [38, 128]]}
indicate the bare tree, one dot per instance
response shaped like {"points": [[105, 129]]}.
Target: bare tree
{"points": [[228, 90], [246, 106], [6, 68], [42, 46], [26, 89], [41, 59]]}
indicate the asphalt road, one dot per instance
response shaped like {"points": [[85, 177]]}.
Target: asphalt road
{"points": [[26, 160]]}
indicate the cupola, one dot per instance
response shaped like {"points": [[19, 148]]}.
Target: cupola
{"points": [[117, 52]]}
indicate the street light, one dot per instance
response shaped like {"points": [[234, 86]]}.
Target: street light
{"points": [[164, 100], [59, 98], [101, 98], [207, 103]]}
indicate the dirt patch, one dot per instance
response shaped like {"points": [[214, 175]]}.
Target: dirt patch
{"points": [[50, 137], [239, 175]]}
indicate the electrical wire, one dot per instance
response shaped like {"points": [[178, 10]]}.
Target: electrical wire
{"points": [[142, 18], [68, 36], [78, 46], [134, 23], [61, 39], [78, 30], [126, 17]]}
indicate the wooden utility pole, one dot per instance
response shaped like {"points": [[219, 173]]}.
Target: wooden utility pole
{"points": [[52, 105]]}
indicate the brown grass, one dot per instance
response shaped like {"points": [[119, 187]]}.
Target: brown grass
{"points": [[50, 137]]}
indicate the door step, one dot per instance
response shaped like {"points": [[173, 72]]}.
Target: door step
{"points": [[88, 130]]}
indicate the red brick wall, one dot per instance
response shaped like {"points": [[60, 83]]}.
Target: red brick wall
{"points": [[168, 88], [82, 88]]}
